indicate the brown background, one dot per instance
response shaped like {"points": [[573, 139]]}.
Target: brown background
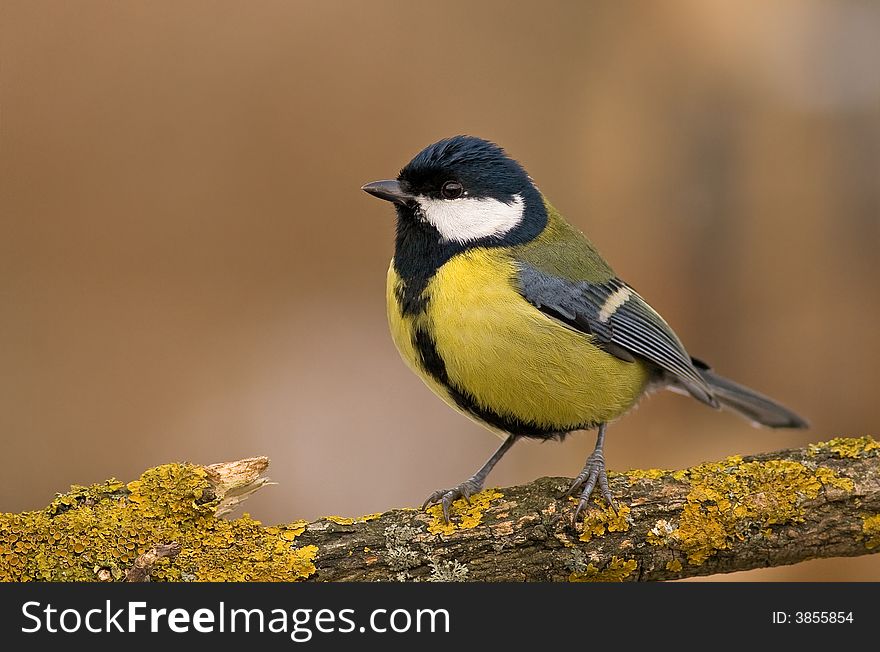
{"points": [[189, 271]]}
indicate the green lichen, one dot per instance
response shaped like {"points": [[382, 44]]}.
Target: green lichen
{"points": [[659, 534], [448, 571], [844, 447], [617, 570], [599, 521], [105, 527], [734, 500], [871, 531], [470, 514], [399, 551]]}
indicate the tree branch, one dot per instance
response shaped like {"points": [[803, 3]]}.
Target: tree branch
{"points": [[735, 514]]}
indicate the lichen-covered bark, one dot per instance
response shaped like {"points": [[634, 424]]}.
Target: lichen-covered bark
{"points": [[736, 514]]}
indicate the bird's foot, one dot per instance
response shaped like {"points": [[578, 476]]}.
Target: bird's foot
{"points": [[446, 497], [593, 474]]}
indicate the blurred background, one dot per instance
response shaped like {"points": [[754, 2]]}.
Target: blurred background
{"points": [[189, 271]]}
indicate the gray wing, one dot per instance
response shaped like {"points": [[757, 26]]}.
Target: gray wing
{"points": [[620, 321]]}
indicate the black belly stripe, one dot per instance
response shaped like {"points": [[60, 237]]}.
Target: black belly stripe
{"points": [[436, 368]]}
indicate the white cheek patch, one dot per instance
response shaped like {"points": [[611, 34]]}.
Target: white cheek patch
{"points": [[471, 218]]}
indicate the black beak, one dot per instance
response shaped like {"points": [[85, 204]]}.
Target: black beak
{"points": [[389, 191]]}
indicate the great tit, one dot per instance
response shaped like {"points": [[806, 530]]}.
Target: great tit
{"points": [[511, 316]]}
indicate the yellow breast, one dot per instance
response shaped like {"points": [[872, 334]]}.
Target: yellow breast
{"points": [[508, 356]]}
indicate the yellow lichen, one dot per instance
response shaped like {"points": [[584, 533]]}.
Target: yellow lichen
{"points": [[290, 531], [617, 570], [604, 519], [871, 531], [97, 532], [829, 478], [564, 540], [341, 520], [846, 446], [673, 565], [733, 500], [470, 515], [645, 474]]}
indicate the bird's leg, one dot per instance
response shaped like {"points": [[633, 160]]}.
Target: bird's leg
{"points": [[593, 473], [470, 486]]}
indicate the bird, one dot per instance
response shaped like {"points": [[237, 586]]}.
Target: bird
{"points": [[512, 317]]}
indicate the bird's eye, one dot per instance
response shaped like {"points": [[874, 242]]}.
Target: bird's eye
{"points": [[452, 190]]}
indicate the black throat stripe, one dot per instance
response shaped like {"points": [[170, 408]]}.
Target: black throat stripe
{"points": [[417, 257], [436, 368]]}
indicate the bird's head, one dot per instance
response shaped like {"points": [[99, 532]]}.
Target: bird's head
{"points": [[466, 191]]}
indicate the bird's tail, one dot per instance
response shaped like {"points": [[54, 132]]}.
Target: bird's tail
{"points": [[755, 407]]}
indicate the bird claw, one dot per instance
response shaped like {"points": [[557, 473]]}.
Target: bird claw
{"points": [[447, 496], [592, 474]]}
